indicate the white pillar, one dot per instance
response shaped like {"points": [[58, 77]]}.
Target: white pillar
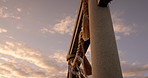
{"points": [[105, 59]]}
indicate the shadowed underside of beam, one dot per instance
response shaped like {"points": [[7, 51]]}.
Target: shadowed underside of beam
{"points": [[103, 3]]}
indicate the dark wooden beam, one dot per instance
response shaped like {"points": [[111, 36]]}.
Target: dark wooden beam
{"points": [[103, 3]]}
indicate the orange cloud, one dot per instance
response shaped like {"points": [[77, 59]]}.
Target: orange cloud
{"points": [[4, 14], [135, 70], [64, 26], [2, 30], [28, 63], [120, 26]]}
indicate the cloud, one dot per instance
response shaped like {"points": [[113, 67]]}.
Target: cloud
{"points": [[64, 26], [3, 0], [19, 27], [61, 58], [26, 62], [134, 70], [4, 14], [10, 37], [118, 37], [122, 29], [119, 25], [2, 30], [44, 30], [19, 9]]}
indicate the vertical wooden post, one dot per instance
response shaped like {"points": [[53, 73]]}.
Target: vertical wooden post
{"points": [[105, 59]]}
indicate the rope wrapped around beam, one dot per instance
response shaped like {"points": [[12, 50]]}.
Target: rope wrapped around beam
{"points": [[78, 57], [85, 21]]}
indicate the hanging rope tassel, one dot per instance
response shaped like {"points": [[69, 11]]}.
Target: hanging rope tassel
{"points": [[87, 66]]}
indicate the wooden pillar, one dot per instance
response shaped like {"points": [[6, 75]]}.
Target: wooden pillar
{"points": [[105, 59]]}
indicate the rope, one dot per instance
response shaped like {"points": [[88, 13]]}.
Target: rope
{"points": [[75, 60]]}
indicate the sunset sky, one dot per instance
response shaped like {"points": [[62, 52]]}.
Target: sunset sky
{"points": [[35, 36]]}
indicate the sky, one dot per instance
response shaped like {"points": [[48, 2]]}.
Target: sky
{"points": [[35, 37]]}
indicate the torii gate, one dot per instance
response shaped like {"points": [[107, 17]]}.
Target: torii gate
{"points": [[94, 25]]}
